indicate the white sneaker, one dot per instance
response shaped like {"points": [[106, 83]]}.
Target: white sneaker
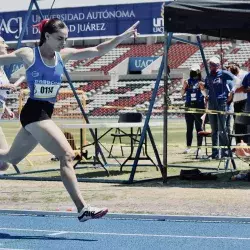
{"points": [[187, 150], [89, 212], [198, 153]]}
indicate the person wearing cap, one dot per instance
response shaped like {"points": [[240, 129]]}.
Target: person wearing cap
{"points": [[194, 99], [218, 88]]}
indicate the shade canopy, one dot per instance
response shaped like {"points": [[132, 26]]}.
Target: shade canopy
{"points": [[227, 19]]}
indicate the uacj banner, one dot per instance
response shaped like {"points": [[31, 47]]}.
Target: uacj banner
{"points": [[88, 22], [140, 63]]}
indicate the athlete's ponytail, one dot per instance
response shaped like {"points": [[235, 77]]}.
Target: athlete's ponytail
{"points": [[49, 25]]}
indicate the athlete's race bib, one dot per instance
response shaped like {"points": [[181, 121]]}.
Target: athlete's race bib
{"points": [[44, 91], [193, 97]]}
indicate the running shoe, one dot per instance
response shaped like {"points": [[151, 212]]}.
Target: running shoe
{"points": [[198, 153], [187, 150], [89, 212]]}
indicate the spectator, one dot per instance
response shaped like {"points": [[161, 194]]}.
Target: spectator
{"points": [[246, 88], [194, 99], [218, 87], [239, 99]]}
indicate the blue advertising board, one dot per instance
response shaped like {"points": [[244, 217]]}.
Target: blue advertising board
{"points": [[139, 63], [88, 22]]}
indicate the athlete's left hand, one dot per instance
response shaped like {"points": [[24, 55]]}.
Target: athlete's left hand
{"points": [[11, 115], [131, 31]]}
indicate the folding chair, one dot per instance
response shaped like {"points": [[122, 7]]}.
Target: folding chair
{"points": [[205, 134], [129, 117]]}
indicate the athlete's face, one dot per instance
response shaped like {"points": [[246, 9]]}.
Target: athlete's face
{"points": [[57, 41], [3, 47]]}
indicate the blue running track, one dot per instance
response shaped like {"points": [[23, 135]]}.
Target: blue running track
{"points": [[57, 232]]}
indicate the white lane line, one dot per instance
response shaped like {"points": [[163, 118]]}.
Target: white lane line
{"points": [[58, 233], [128, 234], [13, 249]]}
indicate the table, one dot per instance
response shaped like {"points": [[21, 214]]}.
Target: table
{"points": [[109, 126]]}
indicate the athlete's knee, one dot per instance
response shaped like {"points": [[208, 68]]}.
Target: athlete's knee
{"points": [[67, 157], [4, 166]]}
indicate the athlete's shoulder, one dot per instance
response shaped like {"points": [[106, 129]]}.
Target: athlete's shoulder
{"points": [[23, 51], [27, 55]]}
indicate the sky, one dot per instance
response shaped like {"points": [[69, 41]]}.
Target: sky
{"points": [[15, 5]]}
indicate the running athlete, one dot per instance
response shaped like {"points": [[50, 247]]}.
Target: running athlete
{"points": [[5, 87], [44, 70]]}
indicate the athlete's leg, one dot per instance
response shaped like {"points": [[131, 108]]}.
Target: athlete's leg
{"points": [[3, 145], [50, 136], [3, 142], [22, 145]]}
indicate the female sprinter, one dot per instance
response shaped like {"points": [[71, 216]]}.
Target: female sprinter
{"points": [[44, 70], [5, 87]]}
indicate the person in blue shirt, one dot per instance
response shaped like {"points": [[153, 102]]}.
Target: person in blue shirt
{"points": [[218, 89], [194, 99], [44, 69]]}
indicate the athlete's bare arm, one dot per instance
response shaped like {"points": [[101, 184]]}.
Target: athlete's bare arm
{"points": [[99, 50], [23, 55]]}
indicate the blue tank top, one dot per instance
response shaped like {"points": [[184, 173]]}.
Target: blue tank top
{"points": [[44, 81], [193, 93]]}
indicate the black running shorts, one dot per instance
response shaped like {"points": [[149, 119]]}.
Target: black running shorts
{"points": [[34, 111]]}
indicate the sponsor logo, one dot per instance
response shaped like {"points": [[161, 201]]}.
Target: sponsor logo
{"points": [[46, 82], [35, 74], [158, 25], [143, 63], [88, 213], [11, 26]]}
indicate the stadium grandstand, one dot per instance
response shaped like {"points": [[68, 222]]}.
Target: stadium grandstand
{"points": [[125, 76]]}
